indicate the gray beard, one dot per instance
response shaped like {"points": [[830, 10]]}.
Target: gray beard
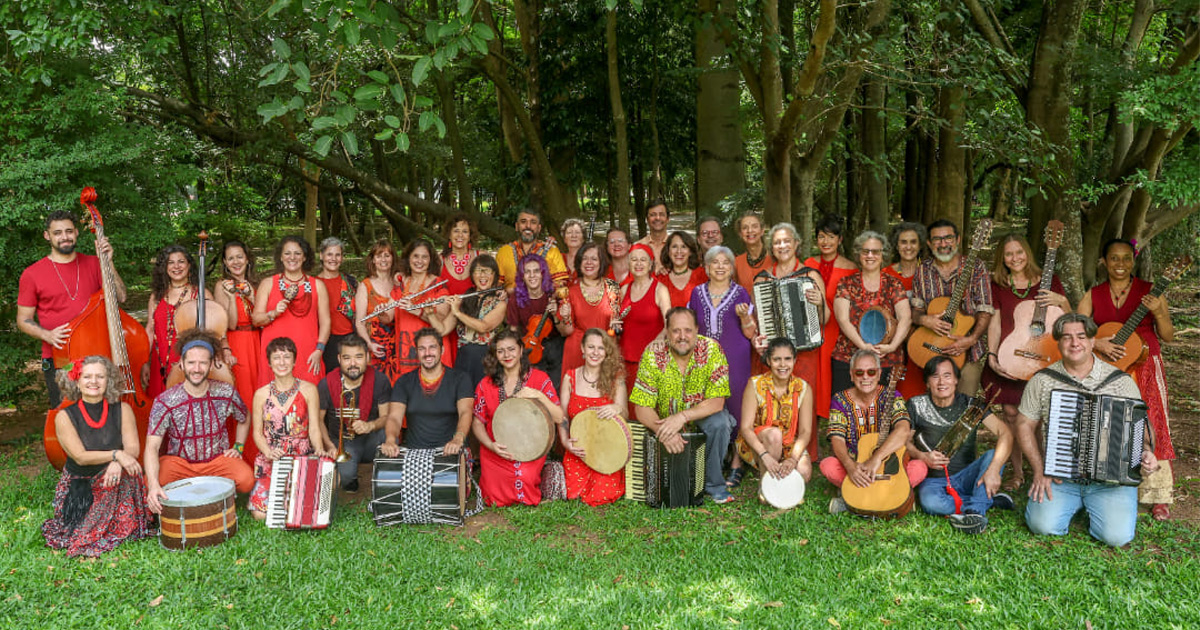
{"points": [[946, 257]]}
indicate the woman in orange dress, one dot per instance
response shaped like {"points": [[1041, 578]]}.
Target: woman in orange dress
{"points": [[460, 251], [591, 303], [681, 259], [908, 241], [235, 293], [832, 266], [419, 269], [597, 385], [340, 288], [293, 304], [374, 290]]}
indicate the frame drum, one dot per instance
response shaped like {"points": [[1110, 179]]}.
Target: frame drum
{"points": [[524, 427], [785, 493], [607, 443], [877, 326], [197, 512]]}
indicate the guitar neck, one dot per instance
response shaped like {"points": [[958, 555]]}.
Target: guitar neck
{"points": [[1138, 314], [960, 288], [1039, 312]]}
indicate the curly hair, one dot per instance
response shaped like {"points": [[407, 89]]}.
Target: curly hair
{"points": [[304, 247], [612, 368], [491, 363], [908, 226], [112, 388], [435, 261], [380, 246], [159, 282], [521, 291], [251, 261], [689, 241], [460, 217]]}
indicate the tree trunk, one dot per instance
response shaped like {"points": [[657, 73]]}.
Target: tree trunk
{"points": [[875, 150], [618, 113], [466, 200], [720, 157], [312, 176]]}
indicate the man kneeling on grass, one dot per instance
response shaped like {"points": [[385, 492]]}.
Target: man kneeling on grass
{"points": [[1111, 508], [960, 485]]}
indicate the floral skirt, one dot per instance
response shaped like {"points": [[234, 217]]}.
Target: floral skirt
{"points": [[118, 513]]}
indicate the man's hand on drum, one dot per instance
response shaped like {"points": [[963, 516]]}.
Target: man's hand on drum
{"points": [[453, 446], [391, 449], [154, 499]]}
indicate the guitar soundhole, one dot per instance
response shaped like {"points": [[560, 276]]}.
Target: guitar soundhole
{"points": [[891, 465], [1037, 329]]}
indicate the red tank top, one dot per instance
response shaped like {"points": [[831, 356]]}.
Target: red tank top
{"points": [[642, 324], [579, 403]]}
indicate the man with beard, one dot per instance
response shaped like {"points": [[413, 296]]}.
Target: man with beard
{"points": [[434, 404], [529, 225], [708, 234], [682, 382], [54, 290], [657, 217], [191, 417], [346, 412], [935, 278]]}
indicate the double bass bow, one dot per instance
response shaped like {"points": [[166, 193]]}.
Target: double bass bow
{"points": [[103, 328]]}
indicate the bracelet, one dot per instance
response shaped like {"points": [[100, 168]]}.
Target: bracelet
{"points": [[239, 447], [114, 456], [321, 346]]}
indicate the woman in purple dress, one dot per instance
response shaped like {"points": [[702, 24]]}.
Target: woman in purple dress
{"points": [[723, 308]]}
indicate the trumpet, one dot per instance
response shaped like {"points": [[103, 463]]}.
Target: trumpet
{"points": [[347, 414]]}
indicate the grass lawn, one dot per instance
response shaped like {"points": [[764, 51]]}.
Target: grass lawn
{"points": [[565, 565]]}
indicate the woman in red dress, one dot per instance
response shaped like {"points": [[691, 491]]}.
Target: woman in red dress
{"points": [[235, 293], [644, 305], [832, 266], [503, 480], [172, 283], [681, 259], [419, 269], [376, 289], [341, 289], [460, 250], [293, 304], [908, 241], [591, 303], [1115, 301], [596, 385]]}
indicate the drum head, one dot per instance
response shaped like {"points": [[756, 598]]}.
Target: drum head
{"points": [[873, 327], [523, 426], [197, 491], [785, 493], [606, 443]]}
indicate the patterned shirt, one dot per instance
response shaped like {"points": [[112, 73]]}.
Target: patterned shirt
{"points": [[195, 427], [782, 412], [890, 293], [850, 421], [662, 386], [928, 285]]}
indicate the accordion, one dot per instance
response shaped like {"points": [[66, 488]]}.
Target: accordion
{"points": [[301, 493], [1094, 438], [661, 479], [784, 311]]}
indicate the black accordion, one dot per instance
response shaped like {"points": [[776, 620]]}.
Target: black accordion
{"points": [[783, 310], [661, 479], [1094, 438]]}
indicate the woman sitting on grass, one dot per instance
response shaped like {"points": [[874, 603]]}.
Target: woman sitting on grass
{"points": [[101, 496], [777, 416], [598, 385]]}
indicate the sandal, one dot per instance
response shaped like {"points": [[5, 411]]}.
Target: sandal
{"points": [[735, 477], [1013, 483], [1160, 512]]}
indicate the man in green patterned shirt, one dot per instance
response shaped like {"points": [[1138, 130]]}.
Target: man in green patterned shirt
{"points": [[684, 380]]}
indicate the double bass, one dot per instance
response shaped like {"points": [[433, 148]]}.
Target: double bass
{"points": [[102, 328], [203, 314]]}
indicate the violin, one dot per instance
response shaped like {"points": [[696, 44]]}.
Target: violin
{"points": [[206, 315], [103, 328], [537, 331]]}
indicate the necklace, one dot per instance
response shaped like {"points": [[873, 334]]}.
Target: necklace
{"points": [[583, 375], [70, 295], [716, 298], [87, 417], [284, 395], [755, 262], [592, 295], [504, 395], [1021, 293], [1118, 296], [460, 266], [430, 387], [795, 267]]}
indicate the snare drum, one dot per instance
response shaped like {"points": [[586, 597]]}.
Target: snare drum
{"points": [[523, 425], [606, 443], [197, 512], [419, 486], [785, 493]]}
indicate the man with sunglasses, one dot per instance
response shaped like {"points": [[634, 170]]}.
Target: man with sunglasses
{"points": [[856, 412], [935, 278], [961, 485]]}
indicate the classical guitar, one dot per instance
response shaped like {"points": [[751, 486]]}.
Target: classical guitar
{"points": [[1123, 334], [926, 343], [890, 495], [1030, 346]]}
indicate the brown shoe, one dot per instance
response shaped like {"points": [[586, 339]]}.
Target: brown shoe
{"points": [[1160, 512]]}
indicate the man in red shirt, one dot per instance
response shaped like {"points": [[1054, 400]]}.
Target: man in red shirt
{"points": [[55, 289]]}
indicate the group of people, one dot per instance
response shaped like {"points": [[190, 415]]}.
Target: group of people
{"points": [[663, 331]]}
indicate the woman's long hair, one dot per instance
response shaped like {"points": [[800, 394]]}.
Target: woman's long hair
{"points": [[251, 261], [521, 291], [693, 260], [435, 261], [471, 305], [300, 242], [159, 282], [491, 364], [1000, 271], [612, 369], [380, 246]]}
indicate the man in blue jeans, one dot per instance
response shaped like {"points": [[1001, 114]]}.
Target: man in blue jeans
{"points": [[960, 484], [1052, 502]]}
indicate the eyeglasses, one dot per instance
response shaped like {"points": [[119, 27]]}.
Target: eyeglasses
{"points": [[942, 239], [872, 252], [710, 232], [868, 372]]}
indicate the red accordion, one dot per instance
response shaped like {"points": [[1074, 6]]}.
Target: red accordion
{"points": [[301, 493]]}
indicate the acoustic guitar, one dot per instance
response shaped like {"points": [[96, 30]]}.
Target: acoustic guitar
{"points": [[890, 495], [1123, 334], [926, 343], [1030, 347]]}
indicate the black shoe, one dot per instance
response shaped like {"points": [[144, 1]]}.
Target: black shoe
{"points": [[969, 523], [1003, 501], [351, 487]]}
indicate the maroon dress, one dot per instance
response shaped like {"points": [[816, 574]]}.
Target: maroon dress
{"points": [[1006, 303]]}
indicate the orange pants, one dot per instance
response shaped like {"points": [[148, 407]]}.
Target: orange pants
{"points": [[172, 468]]}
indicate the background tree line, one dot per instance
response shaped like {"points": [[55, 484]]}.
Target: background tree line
{"points": [[344, 114]]}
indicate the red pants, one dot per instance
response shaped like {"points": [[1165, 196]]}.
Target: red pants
{"points": [[833, 470], [172, 468]]}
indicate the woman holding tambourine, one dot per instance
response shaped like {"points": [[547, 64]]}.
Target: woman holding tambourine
{"points": [[872, 311], [599, 386]]}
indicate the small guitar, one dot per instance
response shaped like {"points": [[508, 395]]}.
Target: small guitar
{"points": [[1123, 334], [926, 343], [1028, 348], [890, 495]]}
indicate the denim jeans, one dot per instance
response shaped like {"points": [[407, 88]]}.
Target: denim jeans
{"points": [[935, 500], [361, 450], [716, 428], [1111, 509]]}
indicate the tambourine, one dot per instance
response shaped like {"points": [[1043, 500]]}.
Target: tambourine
{"points": [[877, 326]]}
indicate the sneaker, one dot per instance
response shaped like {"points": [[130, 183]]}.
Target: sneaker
{"points": [[723, 498], [837, 505], [352, 486], [1003, 501], [969, 523]]}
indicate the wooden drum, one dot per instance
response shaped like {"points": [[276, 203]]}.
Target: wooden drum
{"points": [[197, 512], [523, 426], [607, 444]]}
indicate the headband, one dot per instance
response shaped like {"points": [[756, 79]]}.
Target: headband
{"points": [[643, 247], [197, 343]]}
